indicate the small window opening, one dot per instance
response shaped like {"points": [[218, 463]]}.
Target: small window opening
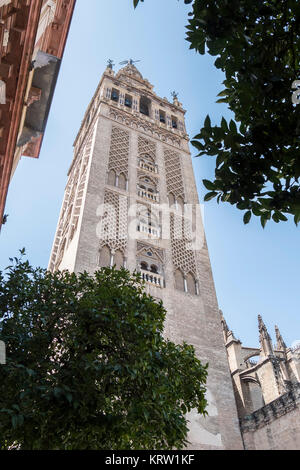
{"points": [[154, 269], [162, 116], [174, 122], [115, 95], [128, 101], [145, 106]]}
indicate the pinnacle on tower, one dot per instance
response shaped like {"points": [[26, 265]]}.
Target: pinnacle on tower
{"points": [[228, 334], [224, 326], [264, 338], [280, 343]]}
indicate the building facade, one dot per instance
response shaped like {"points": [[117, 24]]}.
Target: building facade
{"points": [[131, 200], [33, 35], [266, 384]]}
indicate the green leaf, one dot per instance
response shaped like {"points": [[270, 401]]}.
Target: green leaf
{"points": [[207, 122], [264, 218], [232, 127], [210, 196], [208, 184], [224, 124], [247, 217], [282, 217], [224, 92], [222, 100]]}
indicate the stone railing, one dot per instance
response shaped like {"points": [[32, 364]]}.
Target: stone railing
{"points": [[152, 278], [149, 167], [148, 195], [151, 232]]}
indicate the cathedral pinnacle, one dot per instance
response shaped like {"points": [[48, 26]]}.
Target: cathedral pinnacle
{"points": [[228, 334], [264, 338], [280, 343]]}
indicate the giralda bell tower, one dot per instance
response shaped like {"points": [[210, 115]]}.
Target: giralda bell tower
{"points": [[131, 200]]}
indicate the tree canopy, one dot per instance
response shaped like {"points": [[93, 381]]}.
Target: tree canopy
{"points": [[88, 366], [257, 45]]}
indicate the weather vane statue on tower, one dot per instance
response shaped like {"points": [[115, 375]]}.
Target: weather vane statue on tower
{"points": [[110, 64], [129, 62]]}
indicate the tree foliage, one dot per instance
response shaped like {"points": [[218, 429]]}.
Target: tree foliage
{"points": [[257, 45], [88, 366]]}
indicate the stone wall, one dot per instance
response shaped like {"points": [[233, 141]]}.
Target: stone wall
{"points": [[276, 426]]}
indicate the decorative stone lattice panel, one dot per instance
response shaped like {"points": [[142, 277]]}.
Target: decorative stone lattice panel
{"points": [[174, 173], [146, 146], [119, 151], [81, 183], [114, 223], [183, 256], [69, 217]]}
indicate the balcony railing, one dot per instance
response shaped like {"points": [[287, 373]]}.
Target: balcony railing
{"points": [[152, 278], [148, 195], [149, 167], [151, 232]]}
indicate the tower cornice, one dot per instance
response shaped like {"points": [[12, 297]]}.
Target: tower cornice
{"points": [[150, 124], [147, 91]]}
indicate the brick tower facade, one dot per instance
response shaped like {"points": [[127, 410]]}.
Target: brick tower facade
{"points": [[131, 200]]}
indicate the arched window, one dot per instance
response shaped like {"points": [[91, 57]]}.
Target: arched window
{"points": [[171, 199], [144, 266], [148, 163], [252, 393], [119, 259], [122, 181], [154, 269], [179, 280], [147, 188], [112, 178], [191, 284], [148, 158], [105, 257]]}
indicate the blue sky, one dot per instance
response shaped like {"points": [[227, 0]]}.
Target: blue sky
{"points": [[255, 270]]}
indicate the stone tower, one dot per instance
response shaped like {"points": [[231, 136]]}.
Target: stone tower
{"points": [[131, 200]]}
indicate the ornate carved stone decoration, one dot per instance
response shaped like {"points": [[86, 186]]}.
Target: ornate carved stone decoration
{"points": [[174, 173], [114, 224], [148, 127], [119, 151], [71, 208], [150, 251], [183, 257]]}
